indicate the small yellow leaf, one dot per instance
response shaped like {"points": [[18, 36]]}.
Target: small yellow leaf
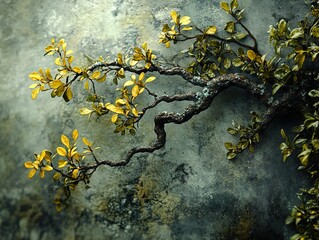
{"points": [[48, 74], [135, 91], [211, 30], [86, 85], [86, 142], [48, 168], [150, 79], [31, 173], [35, 93], [61, 151], [70, 59], [69, 52], [133, 62], [174, 17], [148, 65], [28, 164], [113, 108], [55, 84], [251, 55], [62, 163], [68, 95], [75, 134], [96, 74], [75, 173], [144, 46], [41, 173], [141, 90], [34, 85], [135, 112], [120, 59], [56, 176], [77, 70], [120, 101], [64, 46], [85, 111], [121, 73], [58, 61], [225, 6], [141, 76], [114, 118], [65, 140], [35, 76], [187, 28], [101, 79], [167, 44], [185, 20], [128, 83]]}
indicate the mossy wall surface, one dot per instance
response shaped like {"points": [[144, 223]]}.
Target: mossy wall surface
{"points": [[189, 190]]}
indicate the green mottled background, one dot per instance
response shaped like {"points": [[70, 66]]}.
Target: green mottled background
{"points": [[190, 190]]}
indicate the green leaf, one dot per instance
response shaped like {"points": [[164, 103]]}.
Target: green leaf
{"points": [[275, 88], [232, 131], [239, 36], [296, 33], [282, 26], [230, 27], [315, 31]]}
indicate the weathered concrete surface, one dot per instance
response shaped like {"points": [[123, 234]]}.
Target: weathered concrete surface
{"points": [[191, 190]]}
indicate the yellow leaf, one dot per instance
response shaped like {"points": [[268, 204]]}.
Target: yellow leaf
{"points": [[86, 85], [141, 90], [113, 108], [62, 163], [225, 6], [148, 65], [41, 173], [69, 52], [114, 118], [64, 46], [135, 112], [133, 62], [61, 151], [211, 30], [128, 83], [135, 91], [101, 79], [120, 101], [48, 74], [187, 28], [49, 48], [120, 59], [174, 17], [35, 93], [31, 173], [144, 46], [96, 75], [75, 134], [55, 84], [185, 20], [86, 142], [150, 79], [77, 70], [68, 95], [48, 168], [58, 61], [251, 55], [141, 76], [34, 85], [35, 76], [64, 71], [65, 141], [75, 173], [56, 176], [70, 59], [28, 164], [85, 111], [167, 44], [121, 73]]}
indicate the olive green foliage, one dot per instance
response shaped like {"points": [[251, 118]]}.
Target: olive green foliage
{"points": [[213, 52]]}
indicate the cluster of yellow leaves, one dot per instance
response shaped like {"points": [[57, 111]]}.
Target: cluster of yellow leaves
{"points": [[124, 110], [141, 54], [42, 163], [65, 70], [169, 34]]}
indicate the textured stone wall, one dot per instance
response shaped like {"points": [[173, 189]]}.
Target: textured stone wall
{"points": [[187, 190]]}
